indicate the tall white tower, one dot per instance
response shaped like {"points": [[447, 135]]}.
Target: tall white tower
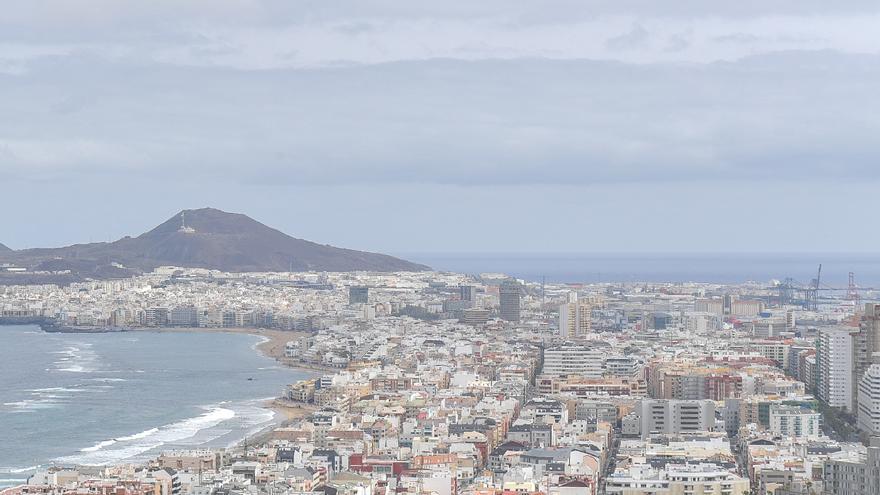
{"points": [[183, 228]]}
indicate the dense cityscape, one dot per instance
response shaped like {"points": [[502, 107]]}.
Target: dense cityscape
{"points": [[440, 383], [390, 247]]}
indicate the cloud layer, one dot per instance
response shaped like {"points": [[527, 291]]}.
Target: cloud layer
{"points": [[273, 96], [787, 116]]}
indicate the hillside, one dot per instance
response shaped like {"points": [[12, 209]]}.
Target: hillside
{"points": [[204, 238]]}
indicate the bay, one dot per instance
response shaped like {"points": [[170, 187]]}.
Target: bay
{"points": [[97, 399]]}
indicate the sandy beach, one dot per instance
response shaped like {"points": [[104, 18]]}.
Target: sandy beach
{"points": [[290, 411]]}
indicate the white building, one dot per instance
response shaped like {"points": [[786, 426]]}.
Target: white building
{"points": [[702, 323], [777, 351], [869, 401], [575, 318], [768, 327], [794, 421], [675, 416], [574, 359], [834, 353], [675, 479], [622, 366], [746, 307]]}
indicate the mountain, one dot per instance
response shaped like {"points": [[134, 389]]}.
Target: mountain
{"points": [[205, 238], [3, 248]]}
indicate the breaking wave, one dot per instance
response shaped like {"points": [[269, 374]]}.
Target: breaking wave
{"points": [[127, 447]]}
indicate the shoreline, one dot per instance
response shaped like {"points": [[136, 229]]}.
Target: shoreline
{"points": [[272, 345], [292, 413]]}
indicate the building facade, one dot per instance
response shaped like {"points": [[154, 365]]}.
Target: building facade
{"points": [[834, 351], [509, 300]]}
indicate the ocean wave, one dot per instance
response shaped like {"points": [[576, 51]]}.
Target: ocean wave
{"points": [[30, 405], [46, 398], [22, 470], [107, 380], [138, 436], [56, 389], [139, 443], [98, 446], [263, 340], [76, 358], [76, 369]]}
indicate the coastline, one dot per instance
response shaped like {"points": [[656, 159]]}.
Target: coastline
{"points": [[272, 346], [286, 414]]}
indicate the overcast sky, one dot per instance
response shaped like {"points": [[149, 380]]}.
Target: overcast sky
{"points": [[495, 126]]}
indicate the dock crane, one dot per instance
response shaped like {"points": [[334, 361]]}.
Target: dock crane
{"points": [[789, 289], [812, 294]]}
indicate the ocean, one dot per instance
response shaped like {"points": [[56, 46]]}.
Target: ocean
{"points": [[96, 399], [727, 268]]}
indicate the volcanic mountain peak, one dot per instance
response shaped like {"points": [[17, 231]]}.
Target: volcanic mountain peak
{"points": [[208, 221], [208, 238]]}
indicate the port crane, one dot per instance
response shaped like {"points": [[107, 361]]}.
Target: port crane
{"points": [[790, 291]]}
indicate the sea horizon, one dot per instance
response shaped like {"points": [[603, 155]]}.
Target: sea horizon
{"points": [[661, 267]]}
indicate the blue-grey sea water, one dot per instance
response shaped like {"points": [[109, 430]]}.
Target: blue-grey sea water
{"points": [[117, 397], [663, 267]]}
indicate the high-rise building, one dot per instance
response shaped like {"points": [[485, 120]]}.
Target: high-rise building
{"points": [[358, 295], [866, 346], [715, 306], [574, 317], [835, 361], [853, 473], [509, 300], [184, 316], [468, 295], [156, 317], [869, 401], [746, 307]]}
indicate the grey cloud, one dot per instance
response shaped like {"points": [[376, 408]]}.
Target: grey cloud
{"points": [[95, 14], [355, 28], [677, 43], [260, 35], [737, 38], [789, 116], [635, 38]]}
